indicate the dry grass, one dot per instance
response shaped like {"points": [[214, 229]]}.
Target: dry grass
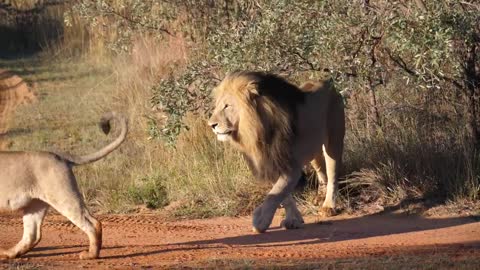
{"points": [[198, 172], [208, 175], [74, 92], [135, 74]]}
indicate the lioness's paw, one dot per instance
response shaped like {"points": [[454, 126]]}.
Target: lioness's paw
{"points": [[85, 255], [262, 219], [327, 211], [6, 254]]}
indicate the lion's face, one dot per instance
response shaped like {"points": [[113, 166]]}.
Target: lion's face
{"points": [[225, 118]]}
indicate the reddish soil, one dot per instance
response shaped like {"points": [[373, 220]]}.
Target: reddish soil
{"points": [[148, 241]]}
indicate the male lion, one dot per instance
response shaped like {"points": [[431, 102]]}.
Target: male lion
{"points": [[279, 128], [33, 181]]}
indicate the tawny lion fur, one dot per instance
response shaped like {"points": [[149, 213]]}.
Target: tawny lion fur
{"points": [[14, 91], [279, 128], [34, 181]]}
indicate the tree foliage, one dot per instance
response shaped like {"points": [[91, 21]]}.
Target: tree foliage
{"points": [[366, 46]]}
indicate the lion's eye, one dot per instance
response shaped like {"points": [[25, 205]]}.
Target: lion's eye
{"points": [[226, 106]]}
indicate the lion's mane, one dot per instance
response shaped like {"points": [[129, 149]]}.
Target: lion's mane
{"points": [[268, 110]]}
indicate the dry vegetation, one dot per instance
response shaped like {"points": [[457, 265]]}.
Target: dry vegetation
{"points": [[408, 135]]}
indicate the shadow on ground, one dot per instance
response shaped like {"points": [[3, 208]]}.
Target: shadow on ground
{"points": [[324, 232]]}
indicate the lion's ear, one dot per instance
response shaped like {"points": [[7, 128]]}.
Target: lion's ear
{"points": [[252, 88]]}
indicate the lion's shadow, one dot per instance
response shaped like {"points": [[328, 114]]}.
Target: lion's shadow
{"points": [[320, 232], [342, 229]]}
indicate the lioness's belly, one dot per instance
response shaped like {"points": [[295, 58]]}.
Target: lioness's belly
{"points": [[14, 202], [16, 187]]}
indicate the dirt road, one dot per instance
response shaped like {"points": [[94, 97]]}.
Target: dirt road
{"points": [[148, 241]]}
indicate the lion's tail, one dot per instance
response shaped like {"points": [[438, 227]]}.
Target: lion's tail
{"points": [[105, 124]]}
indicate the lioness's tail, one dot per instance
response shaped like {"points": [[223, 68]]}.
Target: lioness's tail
{"points": [[105, 124]]}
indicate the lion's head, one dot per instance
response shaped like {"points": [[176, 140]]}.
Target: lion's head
{"points": [[256, 112]]}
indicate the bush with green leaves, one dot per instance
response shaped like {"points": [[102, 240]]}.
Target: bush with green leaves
{"points": [[150, 191], [361, 44], [176, 96]]}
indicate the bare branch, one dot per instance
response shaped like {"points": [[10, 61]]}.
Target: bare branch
{"points": [[421, 5], [401, 63], [476, 6], [306, 61], [113, 12]]}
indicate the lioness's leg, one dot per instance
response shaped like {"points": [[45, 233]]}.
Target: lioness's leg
{"points": [[33, 216], [293, 217], [263, 215], [333, 150], [73, 208], [333, 159], [328, 207], [318, 164]]}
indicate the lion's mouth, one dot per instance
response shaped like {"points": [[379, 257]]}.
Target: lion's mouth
{"points": [[223, 136]]}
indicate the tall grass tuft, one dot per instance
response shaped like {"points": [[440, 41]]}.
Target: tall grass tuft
{"points": [[203, 173], [407, 162]]}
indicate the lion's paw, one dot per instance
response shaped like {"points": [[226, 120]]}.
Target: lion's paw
{"points": [[262, 219], [293, 223], [327, 211]]}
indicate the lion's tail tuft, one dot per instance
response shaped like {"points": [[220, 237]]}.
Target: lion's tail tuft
{"points": [[105, 124]]}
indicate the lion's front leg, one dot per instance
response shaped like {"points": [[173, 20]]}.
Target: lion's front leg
{"points": [[263, 215], [293, 217]]}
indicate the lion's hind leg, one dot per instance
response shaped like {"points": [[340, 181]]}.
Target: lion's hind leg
{"points": [[318, 164], [333, 151], [332, 166], [33, 216], [79, 215], [72, 206]]}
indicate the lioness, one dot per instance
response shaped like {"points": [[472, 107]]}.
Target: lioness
{"points": [[279, 128], [14, 91], [33, 181]]}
